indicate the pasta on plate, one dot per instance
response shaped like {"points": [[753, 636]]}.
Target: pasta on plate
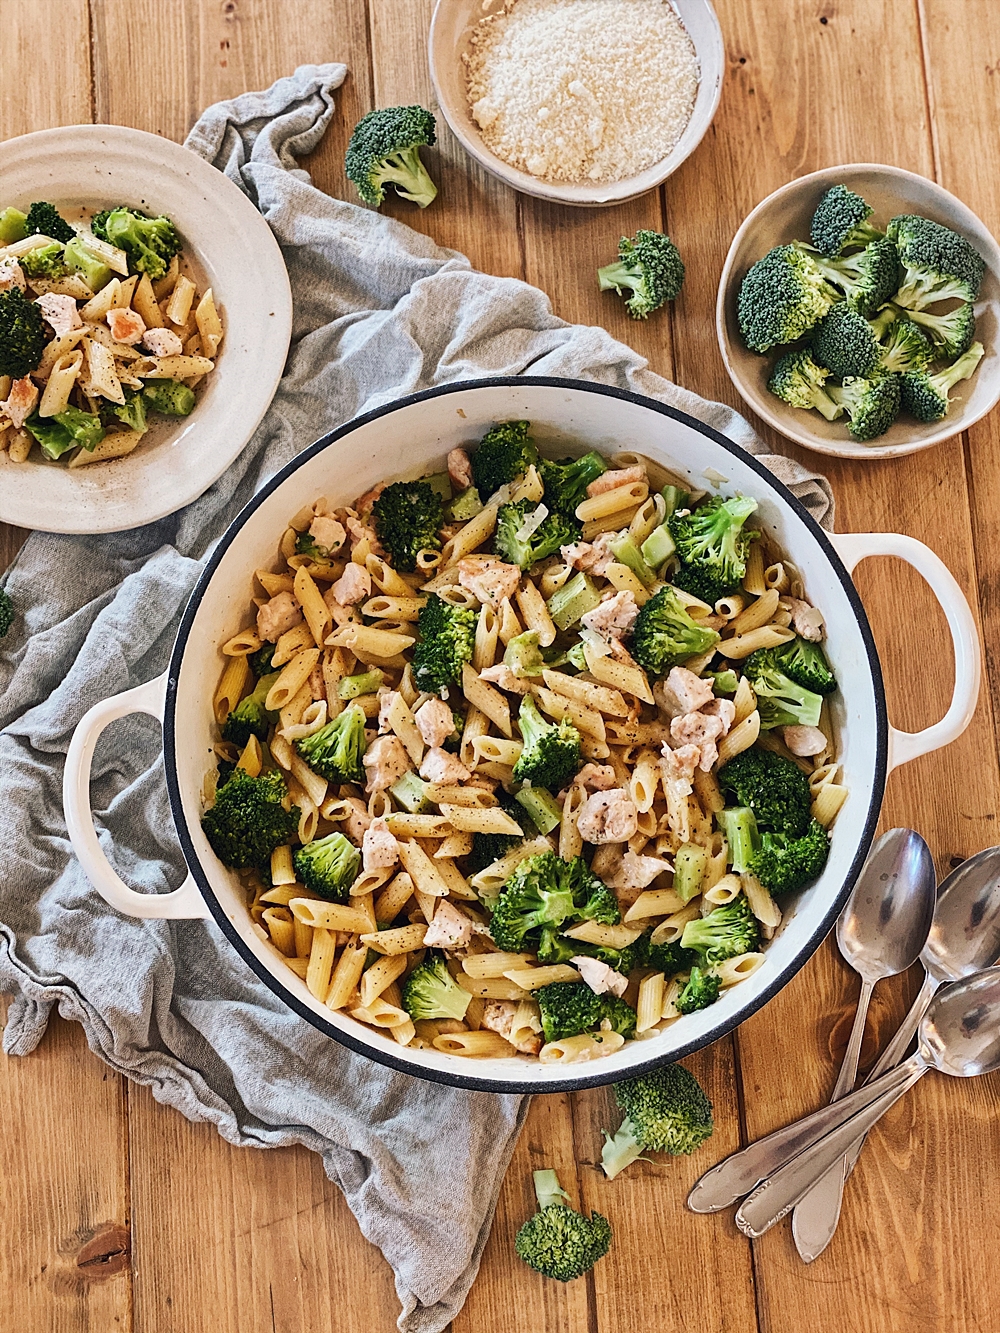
{"points": [[519, 759]]}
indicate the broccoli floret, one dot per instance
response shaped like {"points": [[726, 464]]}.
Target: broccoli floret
{"points": [[22, 334], [907, 348], [782, 296], [523, 654], [149, 243], [621, 1016], [545, 893], [566, 481], [926, 396], [701, 990], [551, 753], [132, 412], [46, 220], [798, 380], [871, 402], [559, 1242], [250, 717], [260, 661], [868, 279], [952, 333], [6, 613], [79, 259], [13, 226], [335, 751], [785, 864], [666, 958], [726, 932], [841, 220], [64, 431], [248, 819], [805, 663], [47, 261], [740, 829], [447, 637], [432, 992], [664, 635], [555, 530], [328, 866], [385, 150], [774, 788], [845, 343], [939, 263], [504, 453], [169, 397], [781, 701], [666, 1110], [490, 847], [711, 539], [408, 516], [650, 267], [567, 1009]]}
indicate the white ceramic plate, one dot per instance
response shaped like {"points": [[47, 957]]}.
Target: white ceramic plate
{"points": [[231, 249]]}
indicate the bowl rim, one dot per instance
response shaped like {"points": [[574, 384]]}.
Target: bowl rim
{"points": [[594, 196], [787, 426], [593, 1077]]}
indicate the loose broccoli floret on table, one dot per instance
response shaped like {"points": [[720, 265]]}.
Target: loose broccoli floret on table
{"points": [[650, 267], [248, 819], [566, 481], [328, 866], [519, 547], [504, 453], [740, 829], [408, 516], [666, 1110], [149, 243], [785, 864], [544, 894], [447, 637], [335, 751], [559, 1242], [781, 701], [701, 990], [774, 788], [665, 635], [782, 296], [952, 332], [798, 380], [551, 752], [939, 263], [871, 402], [22, 334], [431, 992], [727, 932], [6, 613], [841, 220], [45, 220], [567, 1009], [868, 278], [805, 663], [712, 541], [47, 261], [250, 717], [385, 150], [927, 396]]}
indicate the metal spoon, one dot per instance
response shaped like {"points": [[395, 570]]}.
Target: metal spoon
{"points": [[964, 938], [959, 1035]]}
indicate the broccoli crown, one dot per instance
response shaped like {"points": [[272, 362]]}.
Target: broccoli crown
{"points": [[248, 819], [803, 662], [666, 1109], [545, 893], [249, 717], [523, 654], [782, 296], [868, 279], [728, 931], [408, 517], [489, 847], [566, 481], [431, 991], [385, 150], [939, 263], [567, 1009], [504, 453], [781, 702], [952, 332], [557, 1241], [555, 530], [906, 347], [447, 637], [845, 343], [841, 220], [798, 380], [701, 990], [665, 635], [6, 613], [22, 334], [46, 220], [620, 1015], [335, 751], [711, 538], [46, 262], [149, 243], [328, 866], [871, 402], [260, 661], [667, 958], [927, 396], [785, 864], [650, 267], [551, 750]]}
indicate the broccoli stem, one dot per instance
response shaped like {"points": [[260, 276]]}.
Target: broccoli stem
{"points": [[690, 865], [405, 170], [613, 277], [740, 829], [573, 600], [628, 554], [548, 1191], [658, 547], [352, 687], [542, 806]]}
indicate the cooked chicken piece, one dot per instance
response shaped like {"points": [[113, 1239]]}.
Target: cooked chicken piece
{"points": [[162, 342], [614, 617], [607, 816], [385, 704], [804, 741], [725, 710], [594, 556], [498, 1016], [489, 580], [11, 275], [281, 613], [638, 872], [435, 722], [353, 586], [386, 761], [450, 929], [682, 692], [341, 614], [358, 821], [20, 402], [61, 313], [379, 849], [678, 766], [598, 777], [807, 621], [459, 469], [364, 502], [440, 766], [701, 730], [327, 533], [504, 677], [599, 977], [359, 531], [622, 476]]}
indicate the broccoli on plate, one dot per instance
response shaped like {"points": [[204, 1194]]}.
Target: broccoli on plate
{"points": [[798, 380], [568, 1008], [328, 866], [666, 1110], [408, 516], [526, 532], [649, 267], [248, 819], [953, 332], [557, 1241], [335, 751], [666, 958], [845, 343], [803, 662], [504, 453], [782, 296], [45, 220], [840, 221], [939, 264], [619, 1016], [926, 396], [490, 847], [906, 347], [664, 635], [385, 150], [739, 826], [566, 480], [784, 864], [551, 753], [868, 278], [22, 334], [46, 261], [447, 637], [430, 991], [727, 932], [149, 243], [64, 431], [871, 402]]}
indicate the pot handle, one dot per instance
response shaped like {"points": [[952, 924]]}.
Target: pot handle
{"points": [[185, 902], [853, 547]]}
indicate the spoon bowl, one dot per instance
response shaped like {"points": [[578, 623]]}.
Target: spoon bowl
{"points": [[965, 932], [885, 923], [960, 1032]]}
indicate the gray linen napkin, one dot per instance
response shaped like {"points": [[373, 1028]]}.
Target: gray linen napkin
{"points": [[379, 311]]}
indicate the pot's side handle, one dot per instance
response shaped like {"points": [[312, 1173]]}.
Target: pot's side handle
{"points": [[185, 902], [853, 547]]}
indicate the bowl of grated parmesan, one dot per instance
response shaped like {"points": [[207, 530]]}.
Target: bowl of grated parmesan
{"points": [[584, 102]]}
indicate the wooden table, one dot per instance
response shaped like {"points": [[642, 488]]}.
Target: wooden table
{"points": [[117, 1213]]}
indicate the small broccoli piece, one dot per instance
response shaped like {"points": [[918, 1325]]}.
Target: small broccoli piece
{"points": [[79, 259], [64, 431], [781, 701], [169, 397], [385, 150], [711, 539], [543, 808], [906, 347], [555, 530], [408, 516], [927, 396], [504, 453], [465, 505], [868, 279], [543, 894], [621, 1016], [335, 751], [953, 332], [666, 958], [650, 267], [149, 243], [782, 296], [775, 789], [46, 220], [132, 412], [726, 932], [666, 1110], [47, 261], [248, 819], [740, 829], [489, 847], [447, 636], [432, 992], [559, 1242], [13, 226], [798, 380], [939, 263], [567, 1009], [566, 481], [250, 717], [841, 220], [260, 661], [700, 583], [803, 662], [785, 864], [871, 402], [523, 654], [328, 866], [551, 753], [845, 343], [365, 682], [701, 990], [664, 635], [22, 334], [6, 613]]}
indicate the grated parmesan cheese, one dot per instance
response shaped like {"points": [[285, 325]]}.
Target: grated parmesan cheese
{"points": [[582, 90]]}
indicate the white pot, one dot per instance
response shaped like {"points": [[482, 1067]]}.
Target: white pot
{"points": [[410, 438]]}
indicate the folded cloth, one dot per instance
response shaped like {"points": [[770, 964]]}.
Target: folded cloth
{"points": [[380, 311]]}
